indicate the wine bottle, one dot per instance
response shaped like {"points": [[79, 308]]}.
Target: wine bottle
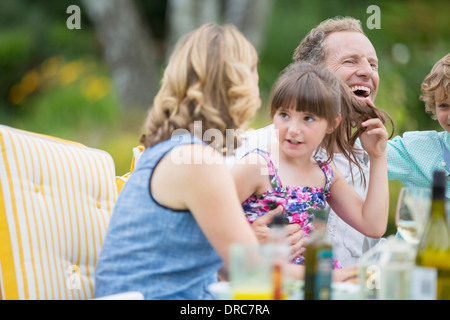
{"points": [[318, 267], [432, 275]]}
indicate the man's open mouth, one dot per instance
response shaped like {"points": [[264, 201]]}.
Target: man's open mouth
{"points": [[361, 91]]}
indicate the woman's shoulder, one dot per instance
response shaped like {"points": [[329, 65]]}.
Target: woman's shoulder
{"points": [[196, 154]]}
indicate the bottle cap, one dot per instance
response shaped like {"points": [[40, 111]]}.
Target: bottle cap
{"points": [[439, 179], [439, 184], [278, 220]]}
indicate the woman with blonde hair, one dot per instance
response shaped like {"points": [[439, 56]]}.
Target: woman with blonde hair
{"points": [[178, 213]]}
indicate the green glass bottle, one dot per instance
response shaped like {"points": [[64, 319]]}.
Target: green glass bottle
{"points": [[318, 267], [433, 253]]}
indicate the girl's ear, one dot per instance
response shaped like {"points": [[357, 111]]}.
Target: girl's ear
{"points": [[336, 122]]}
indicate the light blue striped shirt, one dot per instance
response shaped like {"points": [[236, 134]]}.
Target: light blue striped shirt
{"points": [[413, 157]]}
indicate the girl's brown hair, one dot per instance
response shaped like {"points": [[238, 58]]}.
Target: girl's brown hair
{"points": [[354, 112], [309, 88], [208, 79]]}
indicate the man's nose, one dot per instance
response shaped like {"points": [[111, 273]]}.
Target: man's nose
{"points": [[364, 69]]}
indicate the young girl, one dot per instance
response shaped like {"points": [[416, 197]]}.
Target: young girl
{"points": [[305, 108], [178, 212]]}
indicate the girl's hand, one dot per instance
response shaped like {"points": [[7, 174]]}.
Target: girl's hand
{"points": [[374, 139]]}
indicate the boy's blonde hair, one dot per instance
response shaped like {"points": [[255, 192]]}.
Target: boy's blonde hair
{"points": [[439, 77], [209, 79]]}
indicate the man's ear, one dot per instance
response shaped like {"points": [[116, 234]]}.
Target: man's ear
{"points": [[336, 122]]}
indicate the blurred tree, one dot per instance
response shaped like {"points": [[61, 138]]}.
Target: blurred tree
{"points": [[414, 34], [186, 15], [249, 16], [128, 49]]}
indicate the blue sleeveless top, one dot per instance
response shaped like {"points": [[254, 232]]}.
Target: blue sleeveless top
{"points": [[153, 249]]}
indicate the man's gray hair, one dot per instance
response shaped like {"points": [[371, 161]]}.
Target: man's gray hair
{"points": [[311, 48]]}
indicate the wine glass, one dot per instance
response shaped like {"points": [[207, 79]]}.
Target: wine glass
{"points": [[413, 206]]}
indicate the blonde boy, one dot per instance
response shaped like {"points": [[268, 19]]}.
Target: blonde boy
{"points": [[413, 157]]}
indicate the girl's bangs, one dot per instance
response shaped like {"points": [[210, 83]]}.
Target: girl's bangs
{"points": [[310, 95]]}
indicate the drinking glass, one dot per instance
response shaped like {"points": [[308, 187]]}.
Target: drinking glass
{"points": [[413, 206], [251, 272]]}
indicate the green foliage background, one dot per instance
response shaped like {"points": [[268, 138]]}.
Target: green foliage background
{"points": [[54, 81]]}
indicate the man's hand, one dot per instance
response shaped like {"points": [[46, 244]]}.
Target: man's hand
{"points": [[295, 236], [296, 239]]}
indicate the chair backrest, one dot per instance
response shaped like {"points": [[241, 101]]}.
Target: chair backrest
{"points": [[56, 199]]}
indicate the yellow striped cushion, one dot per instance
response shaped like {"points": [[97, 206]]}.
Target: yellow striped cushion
{"points": [[56, 199], [120, 180]]}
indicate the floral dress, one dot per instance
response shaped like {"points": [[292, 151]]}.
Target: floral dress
{"points": [[299, 203]]}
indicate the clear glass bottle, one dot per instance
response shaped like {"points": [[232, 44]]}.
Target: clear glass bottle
{"points": [[281, 257]]}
